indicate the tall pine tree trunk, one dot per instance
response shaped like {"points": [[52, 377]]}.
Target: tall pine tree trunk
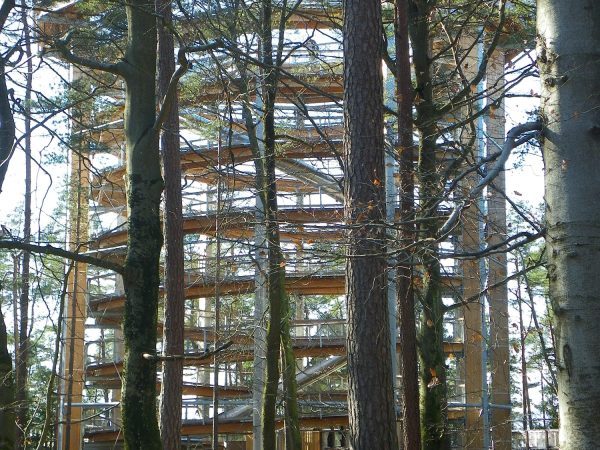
{"points": [[408, 368], [569, 60], [370, 396], [23, 349], [173, 331]]}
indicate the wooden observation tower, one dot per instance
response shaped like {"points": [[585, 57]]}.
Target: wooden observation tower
{"points": [[220, 206]]}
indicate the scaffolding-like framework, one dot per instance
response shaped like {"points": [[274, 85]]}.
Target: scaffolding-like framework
{"points": [[225, 256]]}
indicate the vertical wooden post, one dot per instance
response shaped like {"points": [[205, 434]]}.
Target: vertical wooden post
{"points": [[499, 348], [472, 313], [473, 344], [76, 305]]}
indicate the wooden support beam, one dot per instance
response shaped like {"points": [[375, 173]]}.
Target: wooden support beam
{"points": [[474, 341], [306, 347], [245, 427], [499, 344], [76, 307]]}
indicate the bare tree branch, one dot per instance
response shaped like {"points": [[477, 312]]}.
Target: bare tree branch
{"points": [[194, 356], [481, 71], [61, 46], [57, 251], [477, 296], [5, 9], [520, 238], [516, 136], [167, 100]]}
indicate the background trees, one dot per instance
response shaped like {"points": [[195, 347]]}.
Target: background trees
{"points": [[456, 91], [448, 105]]}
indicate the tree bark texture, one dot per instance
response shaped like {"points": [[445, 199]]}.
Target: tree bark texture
{"points": [[22, 366], [569, 60], [433, 389], [278, 320], [498, 297], [370, 395], [144, 187], [408, 367], [173, 331]]}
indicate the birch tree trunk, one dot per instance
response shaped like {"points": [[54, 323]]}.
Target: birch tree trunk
{"points": [[569, 60]]}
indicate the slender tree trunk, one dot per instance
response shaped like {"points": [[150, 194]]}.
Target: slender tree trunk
{"points": [[46, 435], [569, 60], [370, 394], [144, 242], [539, 329], [434, 421], [23, 350], [173, 334], [288, 369], [408, 368], [266, 167], [278, 342]]}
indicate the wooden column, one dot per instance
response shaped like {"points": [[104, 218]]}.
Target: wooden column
{"points": [[472, 313], [498, 297], [473, 344], [76, 304]]}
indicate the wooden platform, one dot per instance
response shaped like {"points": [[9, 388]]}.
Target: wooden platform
{"points": [[308, 347], [301, 285], [240, 223], [203, 428]]}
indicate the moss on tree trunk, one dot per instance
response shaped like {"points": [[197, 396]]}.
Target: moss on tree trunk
{"points": [[278, 320], [144, 187], [433, 389]]}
